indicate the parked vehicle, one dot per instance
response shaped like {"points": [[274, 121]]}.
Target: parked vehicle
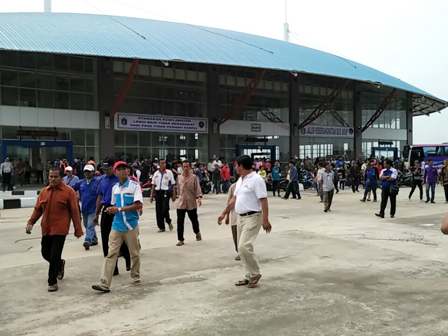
{"points": [[206, 186]]}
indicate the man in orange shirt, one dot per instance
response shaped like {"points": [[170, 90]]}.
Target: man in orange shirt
{"points": [[58, 206]]}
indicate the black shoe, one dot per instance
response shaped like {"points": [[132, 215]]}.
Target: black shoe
{"points": [[433, 202], [379, 215], [94, 244], [362, 200], [392, 216], [325, 210], [427, 201], [61, 272], [97, 287], [86, 245], [116, 271]]}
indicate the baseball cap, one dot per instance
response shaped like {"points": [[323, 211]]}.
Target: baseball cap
{"points": [[120, 163], [108, 163], [89, 168], [69, 168]]}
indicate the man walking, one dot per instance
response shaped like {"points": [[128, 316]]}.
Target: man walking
{"points": [[6, 171], [293, 185], [163, 188], [190, 197], [58, 205], [430, 177], [388, 177], [126, 201], [251, 204], [371, 182], [40, 171], [88, 188], [275, 175], [417, 174], [70, 179], [104, 201], [326, 183]]}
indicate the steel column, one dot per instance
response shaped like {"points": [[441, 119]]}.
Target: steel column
{"points": [[380, 110], [409, 118], [294, 117], [323, 106], [357, 120], [243, 99]]}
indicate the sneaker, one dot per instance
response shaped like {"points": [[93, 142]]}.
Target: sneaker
{"points": [[180, 243], [368, 200], [100, 288], [136, 282], [86, 245]]}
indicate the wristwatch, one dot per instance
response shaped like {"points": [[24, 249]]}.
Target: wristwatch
{"points": [[119, 209]]}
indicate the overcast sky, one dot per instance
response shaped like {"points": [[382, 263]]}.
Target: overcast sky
{"points": [[404, 38]]}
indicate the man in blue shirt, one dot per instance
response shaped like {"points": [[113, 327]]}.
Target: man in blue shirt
{"points": [[430, 177], [104, 201], [388, 177], [88, 188], [293, 185], [126, 201], [275, 175], [70, 179], [371, 180]]}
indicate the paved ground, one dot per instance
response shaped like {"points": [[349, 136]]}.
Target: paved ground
{"points": [[341, 273]]}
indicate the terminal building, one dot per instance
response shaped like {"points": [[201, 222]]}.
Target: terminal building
{"points": [[76, 85]]}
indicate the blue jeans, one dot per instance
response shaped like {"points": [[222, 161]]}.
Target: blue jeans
{"points": [[87, 219], [431, 185]]}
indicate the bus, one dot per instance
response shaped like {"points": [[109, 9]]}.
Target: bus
{"points": [[436, 152]]}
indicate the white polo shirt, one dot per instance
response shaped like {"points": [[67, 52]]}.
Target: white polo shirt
{"points": [[162, 180], [248, 191]]}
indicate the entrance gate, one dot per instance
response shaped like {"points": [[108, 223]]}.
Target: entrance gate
{"points": [[254, 151]]}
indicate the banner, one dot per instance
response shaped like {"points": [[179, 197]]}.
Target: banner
{"points": [[327, 131], [160, 123]]}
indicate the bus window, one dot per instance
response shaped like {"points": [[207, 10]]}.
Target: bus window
{"points": [[433, 151], [416, 155]]}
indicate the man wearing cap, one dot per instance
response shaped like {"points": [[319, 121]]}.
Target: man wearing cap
{"points": [[6, 171], [104, 201], [70, 179], [126, 201], [163, 188], [88, 188]]}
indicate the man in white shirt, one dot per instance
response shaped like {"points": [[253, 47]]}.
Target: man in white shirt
{"points": [[251, 204], [6, 171], [163, 188], [218, 162], [325, 180]]}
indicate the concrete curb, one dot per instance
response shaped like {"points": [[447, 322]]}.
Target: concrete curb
{"points": [[17, 203], [30, 193]]}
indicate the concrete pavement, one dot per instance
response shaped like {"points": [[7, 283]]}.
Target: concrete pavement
{"points": [[340, 273]]}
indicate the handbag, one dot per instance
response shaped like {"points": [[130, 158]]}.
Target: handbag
{"points": [[394, 189]]}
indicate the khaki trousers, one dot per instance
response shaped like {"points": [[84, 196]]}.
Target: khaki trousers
{"points": [[115, 240], [328, 199], [248, 229]]}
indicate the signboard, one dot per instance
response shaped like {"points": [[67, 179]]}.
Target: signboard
{"points": [[255, 127], [37, 133], [160, 123], [327, 131]]}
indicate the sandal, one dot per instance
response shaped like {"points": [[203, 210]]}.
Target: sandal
{"points": [[61, 272], [254, 281], [242, 282], [53, 288]]}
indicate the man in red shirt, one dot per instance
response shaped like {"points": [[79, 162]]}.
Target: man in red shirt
{"points": [[58, 206], [225, 172]]}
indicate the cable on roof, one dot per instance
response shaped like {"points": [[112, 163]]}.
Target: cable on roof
{"points": [[197, 27], [114, 19]]}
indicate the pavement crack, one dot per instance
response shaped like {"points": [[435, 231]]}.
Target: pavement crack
{"points": [[404, 240]]}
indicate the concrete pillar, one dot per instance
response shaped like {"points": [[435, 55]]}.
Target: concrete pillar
{"points": [[357, 120], [409, 119], [105, 101], [294, 139], [213, 111]]}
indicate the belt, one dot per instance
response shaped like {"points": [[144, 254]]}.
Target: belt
{"points": [[250, 213]]}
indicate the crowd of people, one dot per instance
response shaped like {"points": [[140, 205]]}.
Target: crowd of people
{"points": [[110, 194]]}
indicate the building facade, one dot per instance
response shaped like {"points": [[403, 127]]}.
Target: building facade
{"points": [[55, 105]]}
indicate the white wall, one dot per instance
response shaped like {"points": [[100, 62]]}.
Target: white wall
{"points": [[384, 134], [42, 117], [242, 127]]}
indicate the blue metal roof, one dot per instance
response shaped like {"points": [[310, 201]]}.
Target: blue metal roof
{"points": [[124, 37]]}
